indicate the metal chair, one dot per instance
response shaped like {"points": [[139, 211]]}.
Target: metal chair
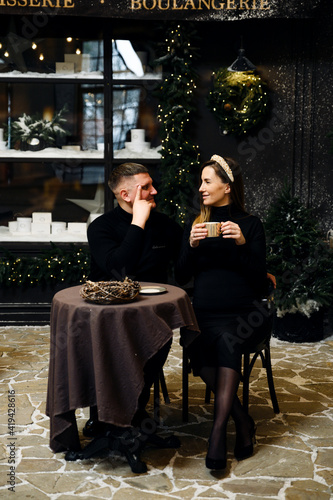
{"points": [[262, 350], [160, 382], [249, 358]]}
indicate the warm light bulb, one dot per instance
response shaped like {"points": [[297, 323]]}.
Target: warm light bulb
{"points": [[69, 39], [6, 54], [78, 51], [34, 46], [41, 57], [48, 112]]}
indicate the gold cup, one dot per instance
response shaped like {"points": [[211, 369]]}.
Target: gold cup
{"points": [[214, 229]]}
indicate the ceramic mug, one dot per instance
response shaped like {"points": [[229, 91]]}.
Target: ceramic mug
{"points": [[214, 229]]}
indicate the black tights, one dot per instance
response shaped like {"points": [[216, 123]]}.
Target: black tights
{"points": [[224, 383]]}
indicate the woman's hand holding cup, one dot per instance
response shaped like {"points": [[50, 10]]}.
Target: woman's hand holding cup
{"points": [[198, 232]]}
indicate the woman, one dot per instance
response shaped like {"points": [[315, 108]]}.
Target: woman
{"points": [[229, 280]]}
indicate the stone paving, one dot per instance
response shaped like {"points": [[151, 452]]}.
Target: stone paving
{"points": [[293, 456]]}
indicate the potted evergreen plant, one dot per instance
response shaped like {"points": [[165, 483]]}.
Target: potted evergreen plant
{"points": [[302, 263], [34, 133]]}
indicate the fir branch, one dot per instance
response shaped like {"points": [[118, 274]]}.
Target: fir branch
{"points": [[298, 257], [48, 269], [180, 156], [28, 127]]}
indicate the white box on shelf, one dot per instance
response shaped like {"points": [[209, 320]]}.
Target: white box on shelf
{"points": [[40, 228], [76, 59], [2, 142], [58, 227], [12, 226], [64, 67], [71, 147], [42, 217], [138, 135], [85, 63], [24, 224], [77, 227], [81, 61]]}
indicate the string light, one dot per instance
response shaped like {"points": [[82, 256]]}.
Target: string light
{"points": [[56, 266], [177, 182]]}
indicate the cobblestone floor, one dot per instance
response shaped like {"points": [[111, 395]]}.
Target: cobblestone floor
{"points": [[293, 456]]}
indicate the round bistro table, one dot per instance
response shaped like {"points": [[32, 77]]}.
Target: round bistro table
{"points": [[98, 352]]}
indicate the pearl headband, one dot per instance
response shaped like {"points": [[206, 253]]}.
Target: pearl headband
{"points": [[224, 165]]}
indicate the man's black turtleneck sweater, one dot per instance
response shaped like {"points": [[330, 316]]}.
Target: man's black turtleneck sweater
{"points": [[119, 248]]}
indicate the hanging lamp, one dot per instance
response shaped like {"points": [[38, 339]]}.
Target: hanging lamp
{"points": [[242, 63]]}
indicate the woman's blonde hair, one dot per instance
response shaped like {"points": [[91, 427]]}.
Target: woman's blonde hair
{"points": [[236, 188]]}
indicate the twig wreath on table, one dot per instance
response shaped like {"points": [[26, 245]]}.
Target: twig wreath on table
{"points": [[110, 292], [239, 101]]}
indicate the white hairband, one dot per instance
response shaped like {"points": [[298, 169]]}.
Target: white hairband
{"points": [[221, 161]]}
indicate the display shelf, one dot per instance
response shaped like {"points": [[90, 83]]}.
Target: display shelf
{"points": [[33, 77], [51, 154], [120, 155], [123, 155], [82, 77], [65, 237]]}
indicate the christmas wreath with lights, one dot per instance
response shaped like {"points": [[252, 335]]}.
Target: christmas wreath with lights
{"points": [[239, 101]]}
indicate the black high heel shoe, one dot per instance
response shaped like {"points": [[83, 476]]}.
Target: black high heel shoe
{"points": [[216, 464], [243, 452]]}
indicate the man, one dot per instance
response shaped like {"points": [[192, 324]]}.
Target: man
{"points": [[136, 241]]}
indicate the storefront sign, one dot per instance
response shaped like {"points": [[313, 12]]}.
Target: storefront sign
{"points": [[164, 9]]}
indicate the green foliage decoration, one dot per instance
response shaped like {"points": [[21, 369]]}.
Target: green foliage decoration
{"points": [[298, 256], [180, 156], [238, 100], [27, 128], [48, 269]]}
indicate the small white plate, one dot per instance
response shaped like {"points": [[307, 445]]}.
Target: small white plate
{"points": [[152, 290]]}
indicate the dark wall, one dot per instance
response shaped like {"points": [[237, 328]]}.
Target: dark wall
{"points": [[295, 59]]}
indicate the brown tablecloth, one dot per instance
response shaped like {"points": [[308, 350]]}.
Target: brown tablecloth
{"points": [[98, 352]]}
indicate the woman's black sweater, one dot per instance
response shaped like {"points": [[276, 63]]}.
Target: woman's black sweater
{"points": [[227, 277]]}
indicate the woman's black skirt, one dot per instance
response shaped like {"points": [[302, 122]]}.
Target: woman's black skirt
{"points": [[225, 336]]}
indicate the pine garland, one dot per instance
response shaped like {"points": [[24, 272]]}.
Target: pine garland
{"points": [[180, 157], [239, 101], [298, 257], [50, 268]]}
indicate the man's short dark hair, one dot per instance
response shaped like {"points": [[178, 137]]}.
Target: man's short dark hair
{"points": [[125, 170]]}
